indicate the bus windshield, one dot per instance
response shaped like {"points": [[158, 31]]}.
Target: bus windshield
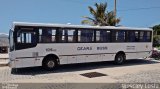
{"points": [[11, 42]]}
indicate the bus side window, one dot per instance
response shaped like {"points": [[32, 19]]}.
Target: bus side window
{"points": [[131, 36], [97, 36], [113, 35], [71, 35], [121, 36], [149, 36], [53, 35], [81, 36], [47, 35], [108, 33], [137, 36], [90, 36], [145, 36], [141, 36], [62, 35], [26, 37], [118, 36], [67, 35], [103, 36], [85, 35]]}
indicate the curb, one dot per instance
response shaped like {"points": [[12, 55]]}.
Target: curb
{"points": [[2, 65], [4, 58]]}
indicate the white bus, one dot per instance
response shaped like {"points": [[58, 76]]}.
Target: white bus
{"points": [[50, 45]]}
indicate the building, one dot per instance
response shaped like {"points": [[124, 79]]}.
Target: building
{"points": [[4, 43]]}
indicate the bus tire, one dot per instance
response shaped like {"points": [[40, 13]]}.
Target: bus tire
{"points": [[119, 58], [50, 63]]}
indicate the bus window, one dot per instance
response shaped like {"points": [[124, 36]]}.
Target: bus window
{"points": [[62, 35], [141, 36], [26, 37], [121, 36], [103, 36], [145, 36], [67, 35], [149, 36], [71, 36], [136, 36], [132, 36], [53, 35], [85, 36], [118, 36], [47, 35], [97, 36]]}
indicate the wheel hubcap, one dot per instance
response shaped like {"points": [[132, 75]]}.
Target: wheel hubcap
{"points": [[51, 64], [120, 59]]}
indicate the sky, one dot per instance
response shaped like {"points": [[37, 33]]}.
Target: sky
{"points": [[133, 13]]}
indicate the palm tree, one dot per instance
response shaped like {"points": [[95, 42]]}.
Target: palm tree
{"points": [[111, 19], [100, 16]]}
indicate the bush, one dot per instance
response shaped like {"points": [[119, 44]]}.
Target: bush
{"points": [[155, 54], [156, 40]]}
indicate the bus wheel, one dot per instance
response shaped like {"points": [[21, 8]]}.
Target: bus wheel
{"points": [[49, 64], [119, 59]]}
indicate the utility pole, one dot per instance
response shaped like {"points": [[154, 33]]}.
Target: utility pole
{"points": [[115, 8]]}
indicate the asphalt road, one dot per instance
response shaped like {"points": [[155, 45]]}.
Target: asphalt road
{"points": [[65, 76]]}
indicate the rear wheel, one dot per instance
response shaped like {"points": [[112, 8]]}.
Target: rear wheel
{"points": [[119, 59], [50, 63]]}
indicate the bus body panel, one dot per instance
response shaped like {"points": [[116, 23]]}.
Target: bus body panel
{"points": [[70, 53]]}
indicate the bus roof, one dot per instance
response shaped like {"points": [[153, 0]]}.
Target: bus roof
{"points": [[74, 26]]}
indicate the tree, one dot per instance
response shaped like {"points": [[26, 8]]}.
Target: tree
{"points": [[156, 29], [100, 16], [156, 35]]}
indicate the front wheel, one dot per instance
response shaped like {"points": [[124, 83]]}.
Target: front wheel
{"points": [[49, 64], [119, 59]]}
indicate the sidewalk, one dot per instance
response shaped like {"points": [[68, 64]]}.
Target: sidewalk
{"points": [[4, 59]]}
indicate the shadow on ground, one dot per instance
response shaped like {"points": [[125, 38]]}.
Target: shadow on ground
{"points": [[79, 67]]}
